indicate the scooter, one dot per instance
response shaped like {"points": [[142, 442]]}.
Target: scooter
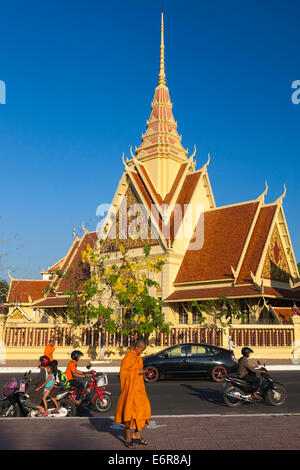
{"points": [[94, 394], [13, 403], [236, 391]]}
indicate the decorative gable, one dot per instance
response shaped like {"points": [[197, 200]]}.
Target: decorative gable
{"points": [[130, 219], [276, 264], [18, 314]]}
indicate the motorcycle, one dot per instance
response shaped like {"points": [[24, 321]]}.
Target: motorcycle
{"points": [[13, 403], [236, 391], [95, 394]]}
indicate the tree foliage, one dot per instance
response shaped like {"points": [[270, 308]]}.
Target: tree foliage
{"points": [[222, 311], [115, 294], [3, 295]]}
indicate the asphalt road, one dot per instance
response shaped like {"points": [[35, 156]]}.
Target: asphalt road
{"points": [[175, 397]]}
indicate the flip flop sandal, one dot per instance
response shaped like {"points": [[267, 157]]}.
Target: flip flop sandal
{"points": [[130, 445], [141, 441]]}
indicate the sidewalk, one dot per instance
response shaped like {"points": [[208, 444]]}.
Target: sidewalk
{"points": [[231, 432], [113, 366], [108, 366]]}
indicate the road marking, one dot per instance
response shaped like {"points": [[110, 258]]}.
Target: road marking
{"points": [[35, 370], [225, 415]]}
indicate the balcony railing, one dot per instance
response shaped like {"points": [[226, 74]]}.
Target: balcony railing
{"points": [[262, 337], [212, 336], [242, 335]]}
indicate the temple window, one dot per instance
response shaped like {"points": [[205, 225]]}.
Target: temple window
{"points": [[183, 313], [196, 314]]}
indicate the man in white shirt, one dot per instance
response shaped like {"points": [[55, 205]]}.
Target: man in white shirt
{"points": [[231, 344]]}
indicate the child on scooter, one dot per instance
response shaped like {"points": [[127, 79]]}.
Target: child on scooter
{"points": [[49, 384]]}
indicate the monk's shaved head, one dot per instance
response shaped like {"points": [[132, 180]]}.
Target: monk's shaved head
{"points": [[140, 346]]}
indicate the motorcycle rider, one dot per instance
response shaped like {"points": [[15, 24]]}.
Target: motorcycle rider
{"points": [[72, 373], [248, 373], [35, 396]]}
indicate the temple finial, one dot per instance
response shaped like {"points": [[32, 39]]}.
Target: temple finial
{"points": [[162, 76], [279, 200]]}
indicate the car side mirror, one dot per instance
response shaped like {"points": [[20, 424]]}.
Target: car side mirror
{"points": [[166, 355]]}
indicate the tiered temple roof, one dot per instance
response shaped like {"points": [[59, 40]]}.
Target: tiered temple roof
{"points": [[246, 252]]}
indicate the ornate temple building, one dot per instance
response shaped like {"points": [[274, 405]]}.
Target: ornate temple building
{"points": [[241, 251]]}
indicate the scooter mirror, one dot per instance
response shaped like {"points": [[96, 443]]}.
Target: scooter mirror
{"points": [[88, 366]]}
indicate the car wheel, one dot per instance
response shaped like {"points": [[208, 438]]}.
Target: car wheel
{"points": [[151, 374], [218, 373]]}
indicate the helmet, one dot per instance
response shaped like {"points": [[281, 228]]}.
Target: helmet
{"points": [[76, 354], [45, 361], [246, 352]]}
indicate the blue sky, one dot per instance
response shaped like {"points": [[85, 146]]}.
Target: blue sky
{"points": [[80, 78]]}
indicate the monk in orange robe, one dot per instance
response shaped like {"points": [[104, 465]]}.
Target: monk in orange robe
{"points": [[49, 349], [133, 408]]}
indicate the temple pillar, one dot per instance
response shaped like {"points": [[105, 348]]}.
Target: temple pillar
{"points": [[296, 322], [225, 337]]}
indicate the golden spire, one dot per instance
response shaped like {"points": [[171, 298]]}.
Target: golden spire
{"points": [[162, 76]]}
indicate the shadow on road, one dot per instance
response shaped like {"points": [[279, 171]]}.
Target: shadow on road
{"points": [[209, 395]]}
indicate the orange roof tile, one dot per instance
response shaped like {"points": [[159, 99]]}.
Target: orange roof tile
{"points": [[256, 244], [212, 293], [76, 269], [21, 290], [168, 196], [142, 188], [225, 233], [282, 293], [57, 265], [161, 134], [230, 292], [184, 197], [52, 302], [286, 313]]}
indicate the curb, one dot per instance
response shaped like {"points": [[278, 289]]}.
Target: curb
{"points": [[105, 418], [116, 369], [35, 370]]}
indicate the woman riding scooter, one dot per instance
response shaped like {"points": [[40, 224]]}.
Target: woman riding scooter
{"points": [[35, 396]]}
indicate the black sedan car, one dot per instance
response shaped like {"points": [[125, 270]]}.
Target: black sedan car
{"points": [[190, 360]]}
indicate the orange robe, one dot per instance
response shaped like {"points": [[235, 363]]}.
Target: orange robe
{"points": [[49, 351], [133, 408]]}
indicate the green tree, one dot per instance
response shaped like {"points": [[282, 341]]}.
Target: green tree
{"points": [[220, 311], [3, 295], [115, 296]]}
